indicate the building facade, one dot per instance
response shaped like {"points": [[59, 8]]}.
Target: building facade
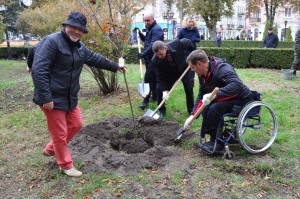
{"points": [[247, 28]]}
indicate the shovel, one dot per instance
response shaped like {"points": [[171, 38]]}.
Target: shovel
{"points": [[143, 88], [153, 114], [181, 131]]}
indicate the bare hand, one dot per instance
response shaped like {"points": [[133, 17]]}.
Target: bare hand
{"points": [[122, 69], [28, 70], [48, 106]]}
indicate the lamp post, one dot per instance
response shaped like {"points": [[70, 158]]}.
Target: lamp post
{"points": [[168, 15], [285, 23]]}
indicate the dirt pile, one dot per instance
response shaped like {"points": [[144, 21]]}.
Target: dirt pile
{"points": [[116, 144]]}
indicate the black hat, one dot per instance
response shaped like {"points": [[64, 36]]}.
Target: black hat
{"points": [[78, 20], [270, 28]]}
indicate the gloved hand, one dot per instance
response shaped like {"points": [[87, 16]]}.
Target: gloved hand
{"points": [[165, 95], [136, 28], [187, 124], [205, 99], [140, 55]]}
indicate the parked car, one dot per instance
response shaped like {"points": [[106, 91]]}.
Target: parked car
{"points": [[38, 38]]}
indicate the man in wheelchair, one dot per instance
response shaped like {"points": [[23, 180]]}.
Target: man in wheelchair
{"points": [[215, 72]]}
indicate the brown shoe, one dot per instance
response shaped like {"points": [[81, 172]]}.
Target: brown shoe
{"points": [[47, 154]]}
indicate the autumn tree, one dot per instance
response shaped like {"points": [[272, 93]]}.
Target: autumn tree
{"points": [[110, 22], [270, 7], [212, 11], [40, 21]]}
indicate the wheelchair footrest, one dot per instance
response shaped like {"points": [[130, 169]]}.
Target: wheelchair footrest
{"points": [[211, 148]]}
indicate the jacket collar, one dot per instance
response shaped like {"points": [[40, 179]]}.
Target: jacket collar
{"points": [[69, 41]]}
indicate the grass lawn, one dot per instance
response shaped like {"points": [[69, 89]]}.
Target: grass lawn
{"points": [[23, 134]]}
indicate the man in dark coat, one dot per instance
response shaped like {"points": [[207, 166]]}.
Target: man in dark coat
{"points": [[170, 62], [57, 63], [215, 72], [271, 40], [154, 33]]}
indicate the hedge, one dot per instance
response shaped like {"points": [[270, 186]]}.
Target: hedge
{"points": [[277, 58], [242, 44]]}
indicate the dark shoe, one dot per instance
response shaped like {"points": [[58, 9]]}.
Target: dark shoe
{"points": [[162, 114], [294, 73], [144, 105], [212, 147]]}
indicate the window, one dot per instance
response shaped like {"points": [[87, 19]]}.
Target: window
{"points": [[256, 14], [288, 12]]}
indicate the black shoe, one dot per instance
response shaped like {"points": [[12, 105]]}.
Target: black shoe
{"points": [[144, 105], [294, 72], [212, 147], [162, 114]]}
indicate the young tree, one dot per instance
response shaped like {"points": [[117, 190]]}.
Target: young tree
{"points": [[110, 33], [288, 34]]}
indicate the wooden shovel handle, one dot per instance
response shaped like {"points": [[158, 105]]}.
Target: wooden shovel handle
{"points": [[173, 87], [211, 97], [139, 47]]}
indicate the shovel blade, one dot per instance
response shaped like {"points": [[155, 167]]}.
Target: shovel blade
{"points": [[150, 113], [180, 132], [143, 89]]}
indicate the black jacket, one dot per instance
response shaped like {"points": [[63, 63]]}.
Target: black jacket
{"points": [[222, 75], [271, 41], [56, 69], [154, 33], [179, 50]]}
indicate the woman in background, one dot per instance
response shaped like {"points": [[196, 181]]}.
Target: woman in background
{"points": [[189, 30]]}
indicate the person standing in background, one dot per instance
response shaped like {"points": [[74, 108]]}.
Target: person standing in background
{"points": [[153, 33], [189, 30], [218, 39], [271, 40]]}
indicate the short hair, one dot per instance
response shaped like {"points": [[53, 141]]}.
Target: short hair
{"points": [[197, 55], [158, 45]]}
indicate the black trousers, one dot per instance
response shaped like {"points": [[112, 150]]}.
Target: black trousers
{"points": [[150, 77], [213, 113], [188, 84]]}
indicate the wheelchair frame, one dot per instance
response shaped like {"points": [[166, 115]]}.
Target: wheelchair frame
{"points": [[255, 123]]}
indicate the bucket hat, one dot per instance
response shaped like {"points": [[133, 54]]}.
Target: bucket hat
{"points": [[76, 19]]}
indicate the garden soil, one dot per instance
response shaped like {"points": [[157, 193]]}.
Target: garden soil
{"points": [[125, 146]]}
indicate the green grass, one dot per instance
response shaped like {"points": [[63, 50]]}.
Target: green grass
{"points": [[23, 134]]}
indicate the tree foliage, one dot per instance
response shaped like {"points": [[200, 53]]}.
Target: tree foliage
{"points": [[40, 21], [270, 7], [212, 11], [2, 28], [11, 14]]}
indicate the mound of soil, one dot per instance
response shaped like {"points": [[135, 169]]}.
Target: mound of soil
{"points": [[118, 144]]}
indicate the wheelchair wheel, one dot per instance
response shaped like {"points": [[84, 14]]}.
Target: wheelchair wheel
{"points": [[257, 127]]}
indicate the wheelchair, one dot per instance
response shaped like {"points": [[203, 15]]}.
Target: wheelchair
{"points": [[253, 126]]}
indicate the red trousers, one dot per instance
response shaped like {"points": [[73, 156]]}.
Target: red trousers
{"points": [[62, 126]]}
